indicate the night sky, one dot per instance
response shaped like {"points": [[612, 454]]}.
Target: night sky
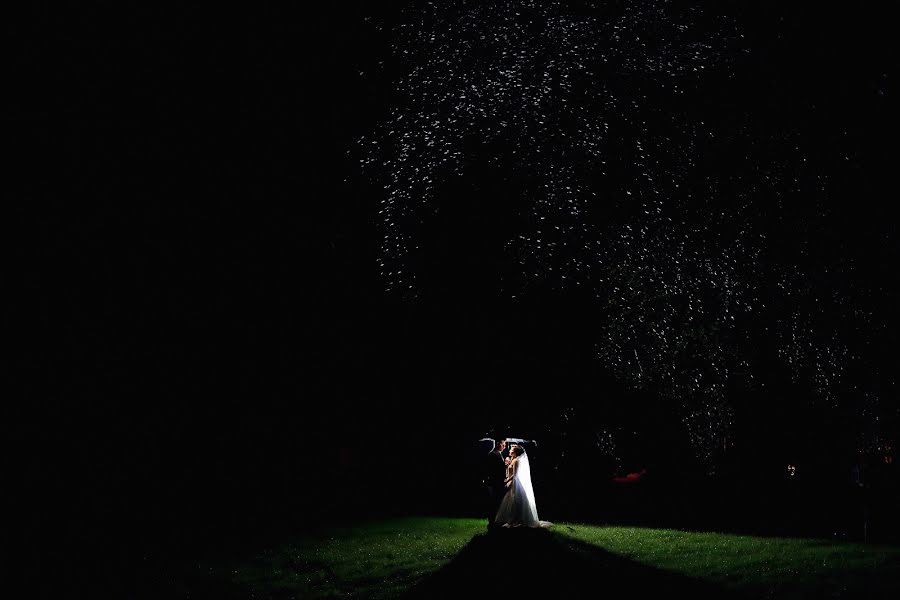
{"points": [[283, 253]]}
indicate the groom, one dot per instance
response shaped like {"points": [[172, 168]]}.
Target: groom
{"points": [[494, 479]]}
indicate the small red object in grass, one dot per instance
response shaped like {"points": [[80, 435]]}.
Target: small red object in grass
{"points": [[631, 477]]}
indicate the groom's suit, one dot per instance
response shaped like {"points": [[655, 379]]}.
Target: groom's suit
{"points": [[495, 480]]}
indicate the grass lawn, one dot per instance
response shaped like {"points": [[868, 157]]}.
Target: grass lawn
{"points": [[443, 557]]}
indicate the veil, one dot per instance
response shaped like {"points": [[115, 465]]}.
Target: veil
{"points": [[523, 474]]}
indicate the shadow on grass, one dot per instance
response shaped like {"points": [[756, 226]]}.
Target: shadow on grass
{"points": [[536, 563]]}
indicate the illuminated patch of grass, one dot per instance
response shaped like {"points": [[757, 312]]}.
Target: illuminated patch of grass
{"points": [[373, 560], [757, 566], [385, 559]]}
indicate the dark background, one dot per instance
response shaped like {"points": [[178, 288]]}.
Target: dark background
{"points": [[210, 359]]}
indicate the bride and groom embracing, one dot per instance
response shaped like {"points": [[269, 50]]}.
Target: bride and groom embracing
{"points": [[510, 490]]}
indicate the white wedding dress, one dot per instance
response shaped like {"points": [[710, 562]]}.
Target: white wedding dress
{"points": [[518, 508]]}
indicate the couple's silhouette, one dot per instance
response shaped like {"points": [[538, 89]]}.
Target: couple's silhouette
{"points": [[511, 501]]}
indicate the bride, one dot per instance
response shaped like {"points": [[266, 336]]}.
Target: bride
{"points": [[518, 508]]}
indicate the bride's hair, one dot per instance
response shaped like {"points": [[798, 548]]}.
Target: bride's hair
{"points": [[519, 450]]}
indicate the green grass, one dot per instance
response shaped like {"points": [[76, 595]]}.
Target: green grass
{"points": [[757, 566], [385, 559], [372, 560]]}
